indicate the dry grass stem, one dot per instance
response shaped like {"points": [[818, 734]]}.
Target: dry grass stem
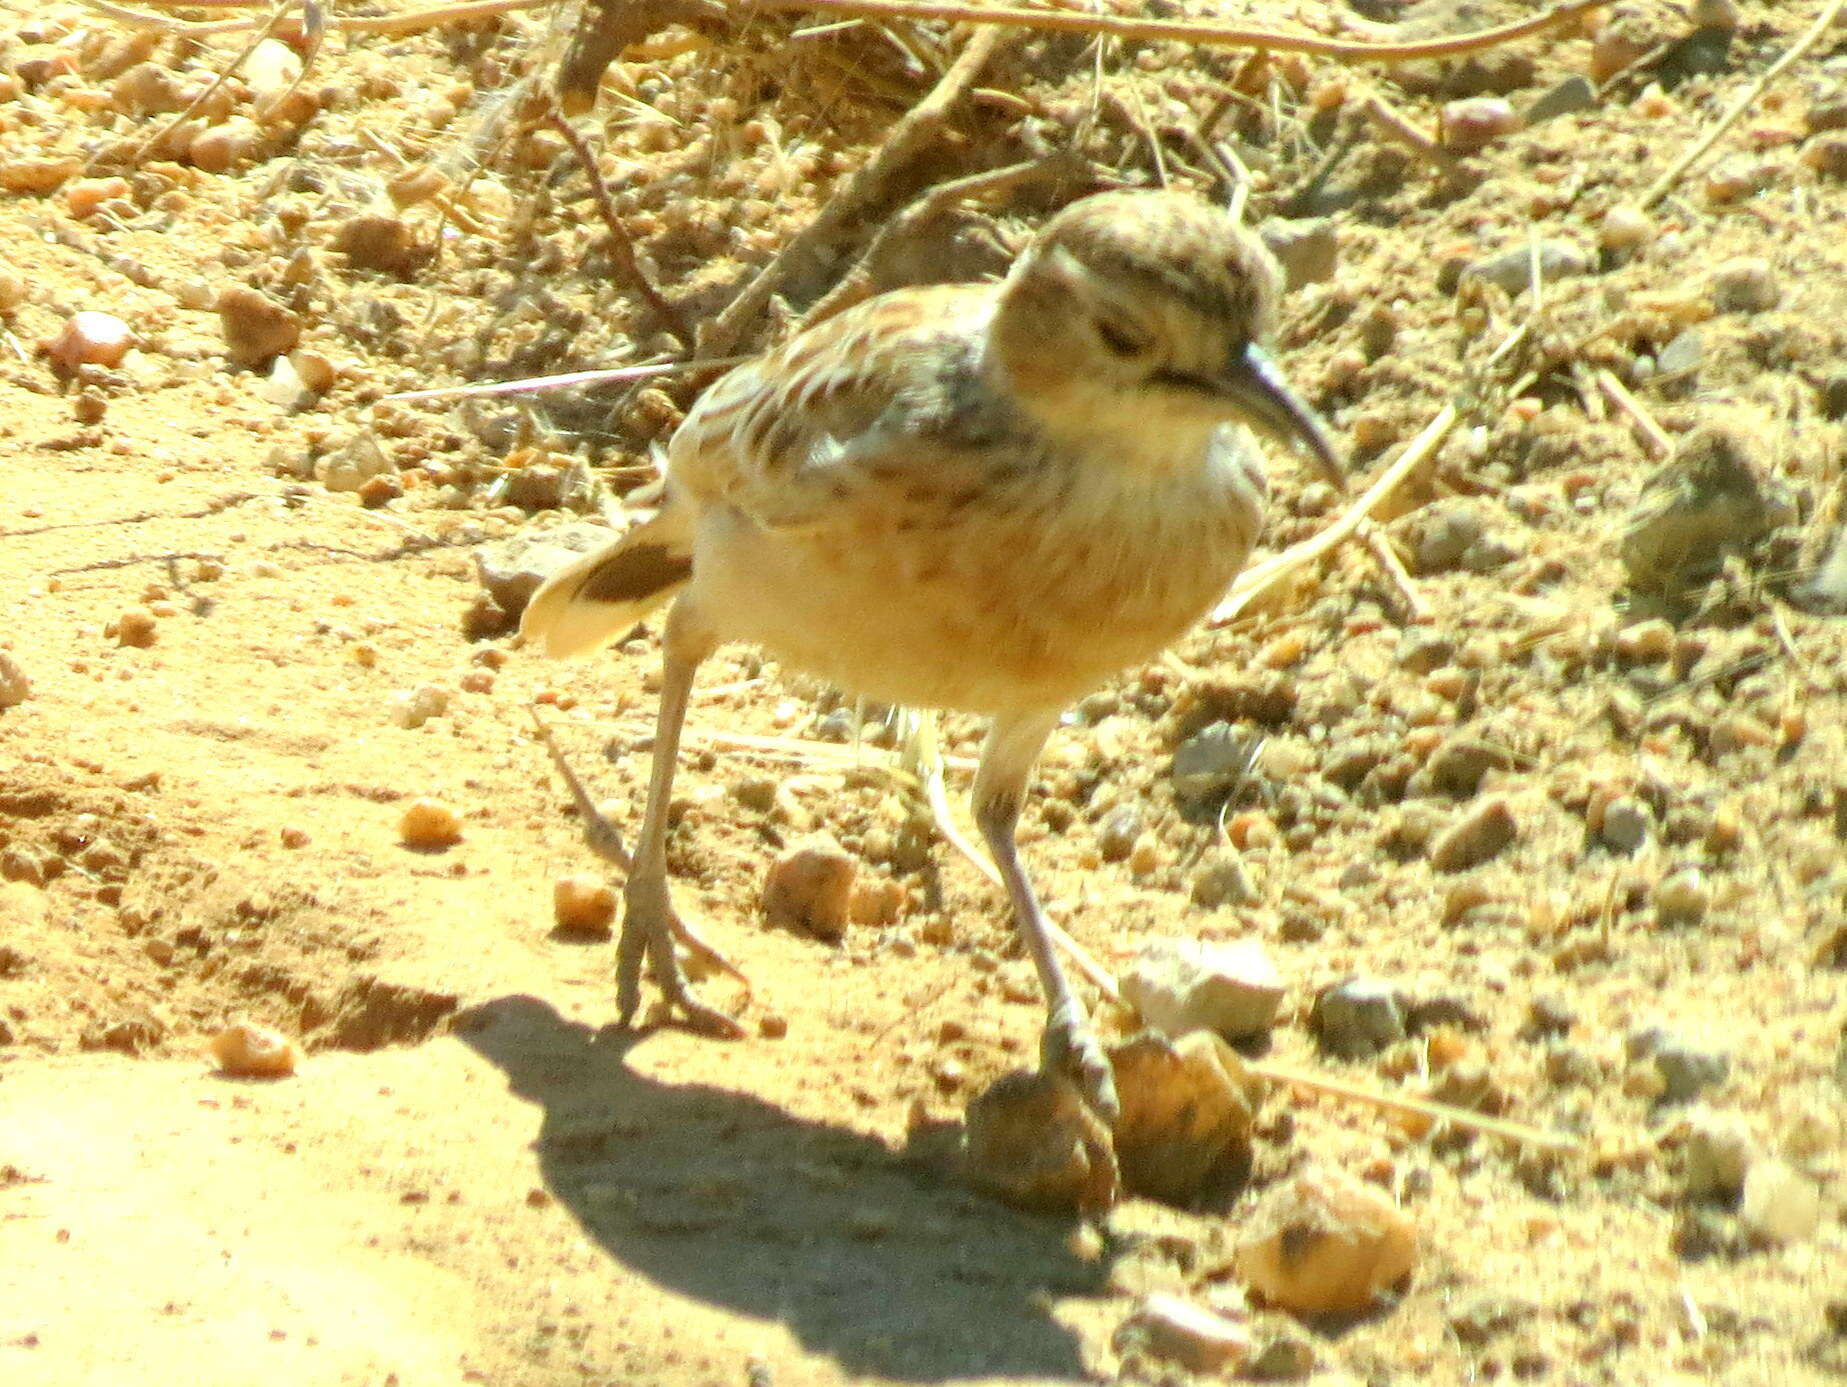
{"points": [[1654, 439], [1521, 1132], [1259, 578]]}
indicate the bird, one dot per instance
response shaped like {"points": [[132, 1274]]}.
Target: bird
{"points": [[989, 498]]}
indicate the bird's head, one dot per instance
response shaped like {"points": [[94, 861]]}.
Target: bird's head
{"points": [[1154, 307]]}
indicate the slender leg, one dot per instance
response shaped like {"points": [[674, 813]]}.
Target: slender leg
{"points": [[1068, 1045], [605, 840], [649, 924]]}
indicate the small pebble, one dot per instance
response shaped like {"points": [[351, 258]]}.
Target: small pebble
{"points": [[583, 906], [810, 889], [1512, 270], [1571, 95], [255, 1052], [1716, 1152], [1325, 1243], [379, 241], [1284, 1359], [15, 688], [1626, 824], [1182, 985], [1185, 1125], [1222, 879], [1305, 247], [1683, 897], [136, 626], [1778, 1204], [1177, 1331], [1745, 284], [1029, 1139], [1358, 1018], [1687, 1071], [91, 339], [1118, 833], [429, 824], [415, 708], [1475, 122], [1481, 834], [256, 327], [1645, 642]]}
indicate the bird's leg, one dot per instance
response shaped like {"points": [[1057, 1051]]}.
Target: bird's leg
{"points": [[650, 925], [605, 840], [1069, 1046]]}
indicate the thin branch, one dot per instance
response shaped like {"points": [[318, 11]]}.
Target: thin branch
{"points": [[620, 241]]}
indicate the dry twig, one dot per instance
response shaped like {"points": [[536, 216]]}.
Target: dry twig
{"points": [[621, 244], [1259, 578], [1655, 441]]}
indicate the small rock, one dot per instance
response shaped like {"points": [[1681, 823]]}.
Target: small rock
{"points": [[1716, 1151], [810, 889], [1827, 156], [1512, 270], [1029, 1140], [284, 388], [271, 69], [1185, 1125], [255, 1052], [1358, 1018], [1576, 93], [583, 906], [1779, 1204], [1212, 761], [256, 327], [1305, 247], [91, 339], [1626, 824], [1177, 1331], [1285, 1358], [1324, 1243], [351, 462], [1117, 834], [1745, 284], [1686, 1070], [411, 710], [15, 688], [1645, 642], [512, 569], [1682, 897], [1221, 879], [1475, 122], [1480, 835], [1449, 531], [428, 824], [1423, 651], [1459, 766], [379, 241], [137, 627], [1182, 985]]}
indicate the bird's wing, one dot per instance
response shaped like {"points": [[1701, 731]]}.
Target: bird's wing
{"points": [[887, 397]]}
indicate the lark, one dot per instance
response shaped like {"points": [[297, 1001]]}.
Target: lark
{"points": [[989, 498]]}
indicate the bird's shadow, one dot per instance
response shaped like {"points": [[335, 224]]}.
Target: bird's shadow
{"points": [[872, 1257]]}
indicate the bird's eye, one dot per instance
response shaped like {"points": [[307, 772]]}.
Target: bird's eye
{"points": [[1119, 339]]}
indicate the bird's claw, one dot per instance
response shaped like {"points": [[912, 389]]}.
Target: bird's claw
{"points": [[650, 931]]}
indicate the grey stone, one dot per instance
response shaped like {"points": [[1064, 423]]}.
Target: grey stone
{"points": [[1576, 93], [1358, 1018], [1212, 760], [1448, 533], [1512, 270], [352, 463], [1717, 1152], [1626, 824], [1687, 1070]]}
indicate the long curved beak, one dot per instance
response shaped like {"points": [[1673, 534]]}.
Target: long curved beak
{"points": [[1255, 383]]}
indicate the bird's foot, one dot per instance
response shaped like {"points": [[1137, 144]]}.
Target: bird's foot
{"points": [[650, 931], [1070, 1047]]}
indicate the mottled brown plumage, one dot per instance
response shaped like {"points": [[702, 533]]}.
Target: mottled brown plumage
{"points": [[980, 497]]}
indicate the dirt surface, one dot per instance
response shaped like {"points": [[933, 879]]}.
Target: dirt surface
{"points": [[474, 1177]]}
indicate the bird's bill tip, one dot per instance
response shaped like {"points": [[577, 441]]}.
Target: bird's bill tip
{"points": [[1257, 384]]}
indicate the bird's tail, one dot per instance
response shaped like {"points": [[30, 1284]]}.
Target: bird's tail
{"points": [[597, 599]]}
